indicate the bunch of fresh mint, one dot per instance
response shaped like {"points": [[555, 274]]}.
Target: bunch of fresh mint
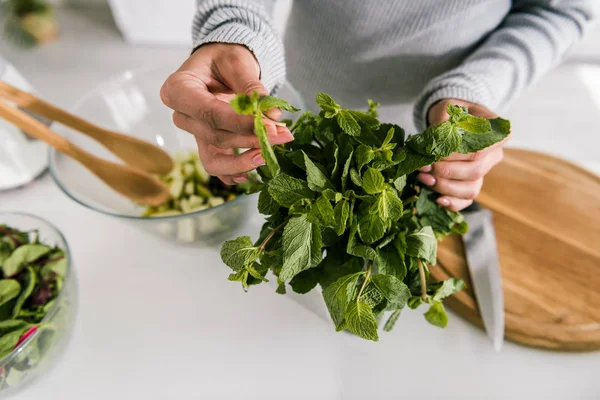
{"points": [[345, 211]]}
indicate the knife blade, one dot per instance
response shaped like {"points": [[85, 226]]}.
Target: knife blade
{"points": [[484, 269]]}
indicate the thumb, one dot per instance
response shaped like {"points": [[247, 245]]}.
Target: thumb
{"points": [[241, 73]]}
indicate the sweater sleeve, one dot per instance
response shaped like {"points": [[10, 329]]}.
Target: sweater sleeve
{"points": [[534, 37], [245, 22]]}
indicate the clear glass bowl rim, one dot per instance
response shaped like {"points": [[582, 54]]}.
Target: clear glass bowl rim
{"points": [[52, 312], [123, 76]]}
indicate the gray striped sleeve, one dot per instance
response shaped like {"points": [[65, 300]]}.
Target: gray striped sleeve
{"points": [[245, 22], [534, 37]]}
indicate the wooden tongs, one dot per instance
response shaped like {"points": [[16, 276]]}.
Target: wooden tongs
{"points": [[134, 180]]}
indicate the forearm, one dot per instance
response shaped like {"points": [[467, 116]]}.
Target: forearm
{"points": [[244, 22], [533, 38]]}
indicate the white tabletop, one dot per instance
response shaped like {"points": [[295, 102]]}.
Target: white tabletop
{"points": [[158, 321]]}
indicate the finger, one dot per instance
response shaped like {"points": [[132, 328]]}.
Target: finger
{"points": [[234, 179], [189, 95], [225, 139], [242, 74], [466, 170], [454, 203], [217, 163], [462, 189]]}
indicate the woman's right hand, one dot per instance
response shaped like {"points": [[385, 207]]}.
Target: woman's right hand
{"points": [[199, 93]]}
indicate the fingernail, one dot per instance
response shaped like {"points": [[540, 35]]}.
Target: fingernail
{"points": [[426, 169], [443, 201], [427, 179], [271, 132], [282, 137], [258, 160], [240, 179]]}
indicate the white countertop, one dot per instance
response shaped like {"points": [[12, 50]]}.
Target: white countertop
{"points": [[158, 321]]}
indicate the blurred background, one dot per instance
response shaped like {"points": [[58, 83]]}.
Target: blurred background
{"points": [[99, 38]]}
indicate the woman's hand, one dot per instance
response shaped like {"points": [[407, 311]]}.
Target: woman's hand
{"points": [[199, 93], [459, 177]]}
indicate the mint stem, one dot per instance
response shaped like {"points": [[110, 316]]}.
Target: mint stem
{"points": [[270, 235], [367, 278], [423, 282]]}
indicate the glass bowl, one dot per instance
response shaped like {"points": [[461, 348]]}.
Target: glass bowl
{"points": [[130, 103], [38, 352]]}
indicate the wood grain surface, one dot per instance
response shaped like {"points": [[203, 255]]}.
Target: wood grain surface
{"points": [[547, 220]]}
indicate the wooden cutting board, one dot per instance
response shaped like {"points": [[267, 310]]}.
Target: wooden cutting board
{"points": [[547, 220]]}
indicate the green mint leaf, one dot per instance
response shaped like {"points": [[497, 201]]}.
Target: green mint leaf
{"points": [[364, 155], [327, 103], [266, 204], [371, 296], [389, 205], [9, 289], [338, 295], [413, 162], [307, 280], [400, 183], [393, 289], [371, 227], [22, 256], [317, 180], [422, 244], [265, 147], [361, 321], [346, 171], [373, 108], [415, 302], [269, 102], [373, 181], [242, 104], [240, 276], [28, 285], [304, 136], [287, 190], [447, 288], [239, 252], [322, 212], [400, 244], [355, 177], [347, 122], [436, 315], [456, 113], [388, 137], [447, 140], [471, 143], [358, 249], [475, 125], [337, 264], [341, 213], [280, 287], [302, 206], [330, 195], [390, 262], [302, 247], [256, 271], [389, 325], [369, 121]]}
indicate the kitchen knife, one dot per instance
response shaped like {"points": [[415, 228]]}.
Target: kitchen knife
{"points": [[484, 269]]}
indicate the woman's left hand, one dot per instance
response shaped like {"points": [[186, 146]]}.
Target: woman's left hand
{"points": [[459, 177]]}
